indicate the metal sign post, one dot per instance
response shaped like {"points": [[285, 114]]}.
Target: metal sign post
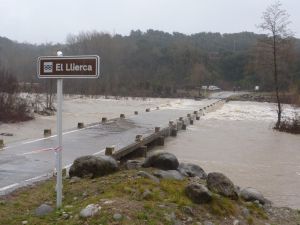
{"points": [[59, 138], [59, 97], [65, 67]]}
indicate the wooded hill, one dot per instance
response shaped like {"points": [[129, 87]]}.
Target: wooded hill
{"points": [[156, 63]]}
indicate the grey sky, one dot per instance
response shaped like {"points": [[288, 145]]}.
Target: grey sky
{"points": [[38, 21]]}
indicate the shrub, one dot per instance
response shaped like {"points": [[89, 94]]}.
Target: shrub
{"points": [[13, 108], [291, 125]]}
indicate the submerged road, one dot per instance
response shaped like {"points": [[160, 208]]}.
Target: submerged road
{"points": [[23, 163]]}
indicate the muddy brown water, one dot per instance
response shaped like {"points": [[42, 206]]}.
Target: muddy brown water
{"points": [[238, 140]]}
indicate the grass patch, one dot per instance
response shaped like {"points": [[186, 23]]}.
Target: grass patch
{"points": [[221, 206], [254, 209], [124, 193], [175, 192], [123, 186], [250, 220]]}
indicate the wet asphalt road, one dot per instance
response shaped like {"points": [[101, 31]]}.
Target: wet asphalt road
{"points": [[22, 163]]}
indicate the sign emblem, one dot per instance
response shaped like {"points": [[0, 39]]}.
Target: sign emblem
{"points": [[48, 67]]}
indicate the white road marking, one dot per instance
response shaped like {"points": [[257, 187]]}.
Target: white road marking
{"points": [[41, 176], [9, 187], [36, 178], [36, 140], [68, 166], [97, 153], [37, 151], [52, 136]]}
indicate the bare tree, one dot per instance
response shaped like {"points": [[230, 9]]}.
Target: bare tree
{"points": [[275, 23], [49, 94]]}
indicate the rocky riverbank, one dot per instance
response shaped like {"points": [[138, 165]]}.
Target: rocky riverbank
{"points": [[157, 190]]}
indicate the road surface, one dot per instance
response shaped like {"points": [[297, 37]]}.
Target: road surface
{"points": [[23, 163]]}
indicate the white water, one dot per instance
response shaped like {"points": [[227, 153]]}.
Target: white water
{"points": [[251, 111], [238, 140]]}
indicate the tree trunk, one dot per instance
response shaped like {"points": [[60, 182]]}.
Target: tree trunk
{"points": [[279, 109]]}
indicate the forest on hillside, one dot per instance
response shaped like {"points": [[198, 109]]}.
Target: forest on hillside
{"points": [[156, 63]]}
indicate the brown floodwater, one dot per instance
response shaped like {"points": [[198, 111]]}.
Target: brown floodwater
{"points": [[238, 141]]}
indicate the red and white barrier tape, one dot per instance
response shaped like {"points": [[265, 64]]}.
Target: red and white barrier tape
{"points": [[57, 149]]}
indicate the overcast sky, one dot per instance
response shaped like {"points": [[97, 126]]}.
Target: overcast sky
{"points": [[40, 21]]}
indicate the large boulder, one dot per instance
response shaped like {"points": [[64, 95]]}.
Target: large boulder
{"points": [[191, 170], [162, 160], [93, 166], [220, 184], [251, 194], [198, 193], [168, 174]]}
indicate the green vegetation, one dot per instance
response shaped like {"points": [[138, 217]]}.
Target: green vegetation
{"points": [[123, 189], [255, 210], [122, 192], [250, 220], [221, 206], [156, 63]]}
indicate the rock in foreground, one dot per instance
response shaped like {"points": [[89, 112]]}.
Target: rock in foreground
{"points": [[168, 174], [162, 160], [93, 166], [251, 194], [43, 210], [198, 193], [148, 175], [220, 184], [133, 164], [191, 170], [90, 210]]}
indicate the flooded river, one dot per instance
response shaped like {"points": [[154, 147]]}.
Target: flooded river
{"points": [[238, 140]]}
